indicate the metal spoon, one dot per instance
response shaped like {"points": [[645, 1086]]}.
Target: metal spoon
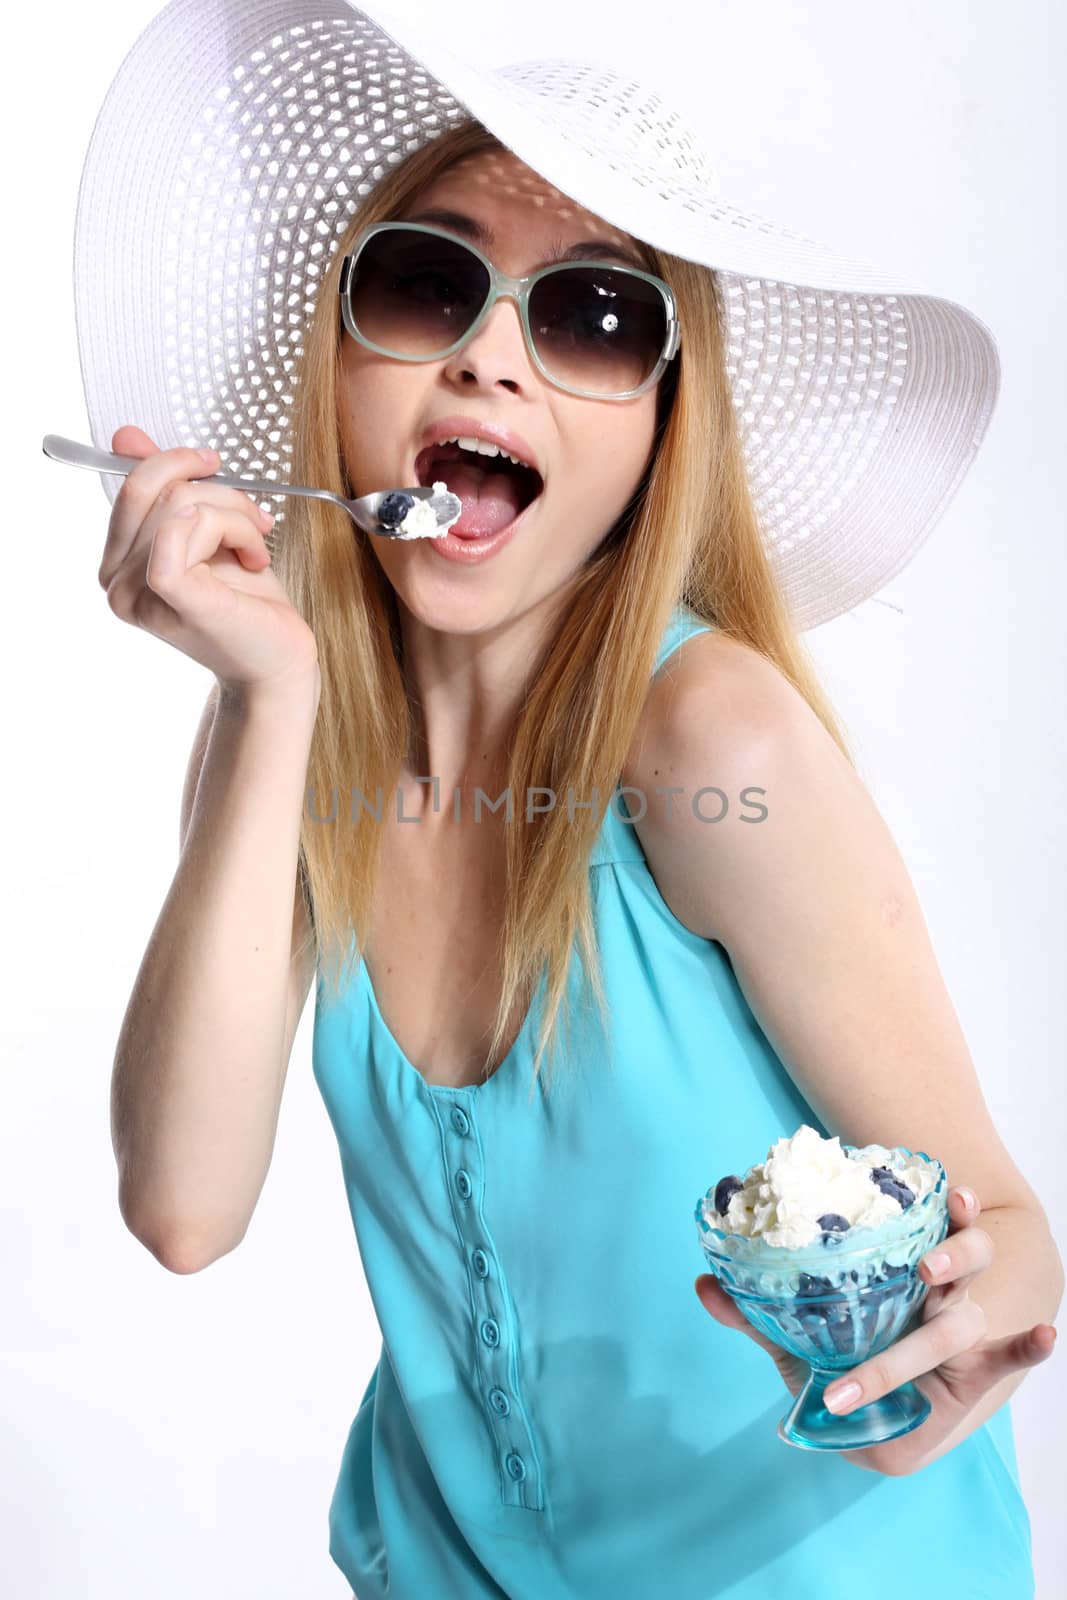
{"points": [[363, 510]]}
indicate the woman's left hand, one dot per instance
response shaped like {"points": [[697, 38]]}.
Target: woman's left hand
{"points": [[949, 1351]]}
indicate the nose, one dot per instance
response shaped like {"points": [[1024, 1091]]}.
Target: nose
{"points": [[497, 353]]}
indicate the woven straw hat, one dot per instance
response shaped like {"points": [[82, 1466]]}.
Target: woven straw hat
{"points": [[237, 140]]}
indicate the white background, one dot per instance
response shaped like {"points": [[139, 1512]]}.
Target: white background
{"points": [[168, 1435]]}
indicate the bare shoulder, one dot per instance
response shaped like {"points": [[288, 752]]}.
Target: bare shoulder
{"points": [[716, 701], [713, 673], [721, 731]]}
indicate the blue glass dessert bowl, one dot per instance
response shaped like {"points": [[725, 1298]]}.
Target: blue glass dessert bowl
{"points": [[837, 1302]]}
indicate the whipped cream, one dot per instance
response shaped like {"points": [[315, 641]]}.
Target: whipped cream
{"points": [[809, 1186], [421, 521]]}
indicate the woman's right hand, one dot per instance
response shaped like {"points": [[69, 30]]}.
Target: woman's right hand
{"points": [[202, 582]]}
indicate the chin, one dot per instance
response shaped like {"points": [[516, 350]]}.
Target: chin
{"points": [[458, 611]]}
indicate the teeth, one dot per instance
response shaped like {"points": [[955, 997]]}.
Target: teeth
{"points": [[483, 447]]}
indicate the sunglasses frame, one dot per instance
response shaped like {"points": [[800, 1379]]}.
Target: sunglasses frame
{"points": [[504, 287]]}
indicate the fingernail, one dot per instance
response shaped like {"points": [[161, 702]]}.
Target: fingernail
{"points": [[937, 1263], [840, 1395], [968, 1198], [209, 456]]}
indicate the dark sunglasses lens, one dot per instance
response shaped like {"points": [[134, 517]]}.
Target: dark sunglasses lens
{"points": [[415, 294], [596, 329]]}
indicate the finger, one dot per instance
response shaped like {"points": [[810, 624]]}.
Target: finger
{"points": [[963, 1206], [960, 1254], [181, 497], [178, 504], [138, 493], [1026, 1349], [178, 495], [187, 479], [129, 440], [193, 534], [995, 1359], [175, 565], [998, 1357], [205, 491], [954, 1330]]}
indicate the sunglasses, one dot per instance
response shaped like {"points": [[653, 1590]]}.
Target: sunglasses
{"points": [[417, 293]]}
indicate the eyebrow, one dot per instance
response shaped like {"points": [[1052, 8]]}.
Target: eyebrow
{"points": [[583, 250]]}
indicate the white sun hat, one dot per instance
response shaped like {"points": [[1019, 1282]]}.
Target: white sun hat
{"points": [[239, 137]]}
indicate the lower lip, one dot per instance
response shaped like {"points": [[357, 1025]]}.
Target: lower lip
{"points": [[469, 551]]}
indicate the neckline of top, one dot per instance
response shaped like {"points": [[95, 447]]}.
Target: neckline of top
{"points": [[447, 1088], [616, 841]]}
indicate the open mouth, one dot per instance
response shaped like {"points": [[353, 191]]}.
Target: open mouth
{"points": [[493, 490]]}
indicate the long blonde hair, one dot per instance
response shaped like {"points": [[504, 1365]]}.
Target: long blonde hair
{"points": [[689, 535]]}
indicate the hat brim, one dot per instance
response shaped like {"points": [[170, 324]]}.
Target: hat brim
{"points": [[200, 243]]}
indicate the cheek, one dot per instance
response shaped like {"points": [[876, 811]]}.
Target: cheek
{"points": [[351, 406], [609, 464], [371, 406]]}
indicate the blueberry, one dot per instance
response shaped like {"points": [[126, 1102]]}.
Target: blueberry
{"points": [[832, 1223], [828, 1322], [886, 1180], [724, 1189], [394, 507]]}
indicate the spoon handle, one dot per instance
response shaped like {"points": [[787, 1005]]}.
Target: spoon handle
{"points": [[74, 454]]}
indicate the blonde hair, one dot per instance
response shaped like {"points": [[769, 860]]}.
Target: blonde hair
{"points": [[689, 535]]}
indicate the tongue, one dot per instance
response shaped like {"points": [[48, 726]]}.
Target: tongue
{"points": [[490, 499]]}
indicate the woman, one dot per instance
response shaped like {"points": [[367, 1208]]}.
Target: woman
{"points": [[553, 1414]]}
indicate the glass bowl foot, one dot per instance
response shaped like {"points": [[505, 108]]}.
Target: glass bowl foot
{"points": [[810, 1426]]}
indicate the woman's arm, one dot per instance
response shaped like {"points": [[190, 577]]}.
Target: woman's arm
{"points": [[204, 1048], [820, 921]]}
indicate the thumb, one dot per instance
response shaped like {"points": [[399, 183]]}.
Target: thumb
{"points": [[130, 440], [994, 1359]]}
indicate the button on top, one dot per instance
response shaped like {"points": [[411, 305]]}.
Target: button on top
{"points": [[499, 1402], [490, 1332], [463, 1184], [481, 1263], [459, 1120], [516, 1467]]}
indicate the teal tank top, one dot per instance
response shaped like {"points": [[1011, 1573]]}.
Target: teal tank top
{"points": [[554, 1415]]}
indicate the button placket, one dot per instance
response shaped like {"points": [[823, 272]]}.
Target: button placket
{"points": [[516, 1456]]}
